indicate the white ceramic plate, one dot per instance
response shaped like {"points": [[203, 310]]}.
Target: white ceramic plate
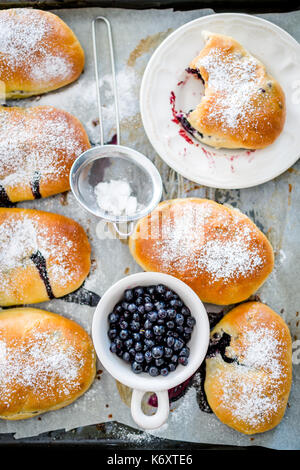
{"points": [[165, 73]]}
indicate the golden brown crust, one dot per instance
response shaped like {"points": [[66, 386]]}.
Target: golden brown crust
{"points": [[243, 106], [37, 149], [250, 394], [38, 52], [41, 255], [47, 362], [217, 251]]}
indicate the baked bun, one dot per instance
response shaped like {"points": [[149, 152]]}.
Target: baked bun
{"points": [[219, 252], [249, 368], [42, 256], [38, 52], [37, 149], [47, 362], [243, 106]]}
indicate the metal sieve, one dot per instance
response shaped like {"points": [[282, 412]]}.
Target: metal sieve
{"points": [[107, 162]]}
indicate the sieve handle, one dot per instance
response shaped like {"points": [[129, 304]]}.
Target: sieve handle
{"points": [[124, 234], [113, 71]]}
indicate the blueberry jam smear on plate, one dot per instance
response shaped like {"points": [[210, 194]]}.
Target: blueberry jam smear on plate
{"points": [[149, 328]]}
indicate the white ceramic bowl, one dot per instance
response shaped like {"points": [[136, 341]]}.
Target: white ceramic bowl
{"points": [[142, 383]]}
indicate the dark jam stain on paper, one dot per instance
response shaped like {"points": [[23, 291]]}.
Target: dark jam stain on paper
{"points": [[82, 296]]}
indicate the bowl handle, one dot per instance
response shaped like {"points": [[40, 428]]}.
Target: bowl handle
{"points": [[156, 420]]}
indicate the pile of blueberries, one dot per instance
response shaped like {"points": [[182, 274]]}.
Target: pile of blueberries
{"points": [[150, 328]]}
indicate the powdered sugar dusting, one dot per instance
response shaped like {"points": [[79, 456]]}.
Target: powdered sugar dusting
{"points": [[186, 245], [251, 387], [21, 237], [234, 80], [41, 140], [42, 364], [24, 44]]}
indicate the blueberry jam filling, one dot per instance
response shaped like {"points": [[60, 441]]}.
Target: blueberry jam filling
{"points": [[186, 125], [195, 72], [150, 328]]}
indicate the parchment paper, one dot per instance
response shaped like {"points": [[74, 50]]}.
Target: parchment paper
{"points": [[274, 207]]}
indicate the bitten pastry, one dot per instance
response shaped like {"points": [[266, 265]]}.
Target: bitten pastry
{"points": [[42, 256], [249, 368], [37, 149], [47, 362], [243, 106], [219, 252], [38, 53]]}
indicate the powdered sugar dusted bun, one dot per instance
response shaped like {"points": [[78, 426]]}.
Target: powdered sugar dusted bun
{"points": [[217, 251], [243, 106], [42, 256], [38, 52], [37, 149], [249, 368], [47, 362]]}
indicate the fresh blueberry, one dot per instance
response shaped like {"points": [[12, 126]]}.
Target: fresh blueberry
{"points": [[112, 333], [141, 309], [185, 352], [171, 312], [135, 326], [149, 343], [172, 367], [136, 337], [168, 352], [188, 330], [126, 356], [157, 352], [178, 344], [159, 362], [132, 308], [128, 344], [119, 343], [185, 311], [125, 305], [176, 303], [162, 313], [124, 334], [179, 329], [183, 360], [113, 317], [170, 341], [174, 359], [132, 352], [147, 325], [161, 289], [118, 309], [148, 306], [148, 334], [139, 357], [123, 324], [160, 322], [113, 347], [148, 356], [158, 330], [136, 317], [128, 295], [190, 321], [152, 316], [159, 305], [164, 371], [146, 368], [171, 325], [153, 371], [169, 295], [138, 346], [136, 367], [179, 319], [139, 291], [150, 290]]}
